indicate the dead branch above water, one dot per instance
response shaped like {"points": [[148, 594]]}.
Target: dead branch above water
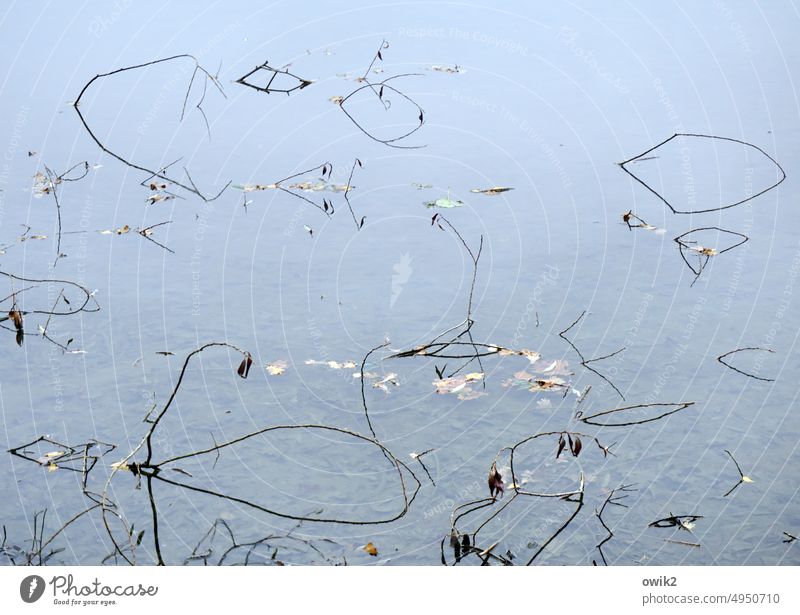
{"points": [[380, 88], [197, 68], [585, 362], [721, 358], [673, 209]]}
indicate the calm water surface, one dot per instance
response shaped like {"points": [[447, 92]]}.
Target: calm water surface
{"points": [[546, 100]]}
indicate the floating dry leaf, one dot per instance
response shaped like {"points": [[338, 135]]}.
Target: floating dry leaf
{"points": [[319, 186], [388, 379], [371, 549], [534, 384], [42, 185], [367, 375], [444, 203], [254, 187], [158, 198], [559, 367], [468, 394], [456, 383], [531, 355], [336, 100], [704, 251], [276, 368], [119, 231], [332, 364], [51, 457], [450, 70], [492, 190]]}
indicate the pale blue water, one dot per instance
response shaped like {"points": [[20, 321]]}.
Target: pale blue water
{"points": [[547, 100]]}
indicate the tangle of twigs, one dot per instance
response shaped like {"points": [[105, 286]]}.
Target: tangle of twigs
{"points": [[704, 253], [438, 349], [152, 470], [465, 543], [17, 315], [380, 88], [326, 168]]}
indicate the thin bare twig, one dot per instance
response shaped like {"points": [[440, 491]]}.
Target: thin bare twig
{"points": [[721, 359]]}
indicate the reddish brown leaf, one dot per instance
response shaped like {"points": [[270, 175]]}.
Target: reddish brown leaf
{"points": [[576, 447], [16, 318], [244, 366], [561, 445], [495, 481]]}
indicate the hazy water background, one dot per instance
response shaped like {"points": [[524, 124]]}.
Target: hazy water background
{"points": [[550, 98]]}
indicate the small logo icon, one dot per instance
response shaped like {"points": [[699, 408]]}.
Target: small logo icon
{"points": [[402, 273], [31, 588]]}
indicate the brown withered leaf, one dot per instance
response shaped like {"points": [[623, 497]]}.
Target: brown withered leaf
{"points": [[561, 444], [495, 481], [244, 366], [455, 544], [576, 447], [16, 317]]}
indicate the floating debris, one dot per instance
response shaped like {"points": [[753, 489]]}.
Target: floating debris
{"points": [[491, 191], [276, 368], [450, 70], [444, 203]]}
